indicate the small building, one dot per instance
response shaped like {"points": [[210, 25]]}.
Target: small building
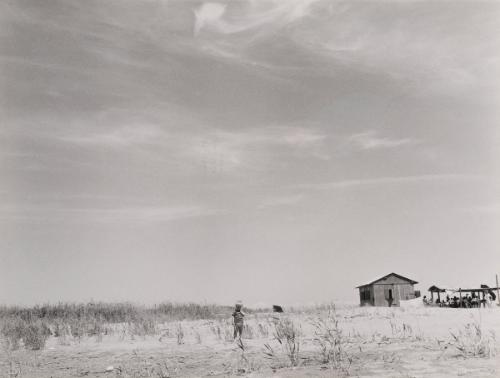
{"points": [[387, 291], [444, 295], [434, 289]]}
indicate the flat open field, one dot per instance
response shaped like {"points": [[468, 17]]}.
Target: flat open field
{"points": [[350, 341]]}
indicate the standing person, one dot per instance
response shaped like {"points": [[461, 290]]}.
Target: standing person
{"points": [[488, 300], [238, 316]]}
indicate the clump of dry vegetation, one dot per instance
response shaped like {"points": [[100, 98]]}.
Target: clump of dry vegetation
{"points": [[402, 330], [241, 363], [472, 341], [287, 333], [179, 333], [31, 326], [32, 335], [329, 337]]}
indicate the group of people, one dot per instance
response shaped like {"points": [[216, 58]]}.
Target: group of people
{"points": [[466, 301]]}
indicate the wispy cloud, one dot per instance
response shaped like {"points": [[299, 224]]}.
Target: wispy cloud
{"points": [[230, 31], [390, 180], [135, 214], [303, 138], [254, 15], [147, 214], [426, 55], [118, 136], [281, 201], [370, 140], [216, 150], [295, 137], [225, 151], [208, 14]]}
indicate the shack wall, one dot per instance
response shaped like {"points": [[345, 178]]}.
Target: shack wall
{"points": [[387, 291], [363, 300], [401, 291], [379, 296], [407, 292]]}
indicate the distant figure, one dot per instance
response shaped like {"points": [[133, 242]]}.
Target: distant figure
{"points": [[425, 300], [488, 300], [277, 308], [475, 300], [238, 316], [469, 301], [490, 292]]}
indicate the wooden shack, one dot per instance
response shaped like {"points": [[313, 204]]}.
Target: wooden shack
{"points": [[387, 291], [434, 289]]}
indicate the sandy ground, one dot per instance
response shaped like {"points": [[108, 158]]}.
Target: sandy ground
{"points": [[378, 342]]}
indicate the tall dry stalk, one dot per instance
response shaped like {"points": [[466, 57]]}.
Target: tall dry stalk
{"points": [[287, 333], [331, 342], [472, 341]]}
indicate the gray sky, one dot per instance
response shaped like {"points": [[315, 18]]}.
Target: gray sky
{"points": [[275, 152]]}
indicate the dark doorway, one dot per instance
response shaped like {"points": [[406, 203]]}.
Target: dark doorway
{"points": [[389, 296]]}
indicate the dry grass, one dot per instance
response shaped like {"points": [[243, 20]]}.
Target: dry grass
{"points": [[329, 337], [472, 341], [287, 334], [32, 335], [338, 341], [31, 326]]}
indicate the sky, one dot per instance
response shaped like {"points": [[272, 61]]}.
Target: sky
{"points": [[274, 152]]}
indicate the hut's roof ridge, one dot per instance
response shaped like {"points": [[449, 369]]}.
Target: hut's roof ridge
{"points": [[449, 288], [387, 275], [442, 288]]}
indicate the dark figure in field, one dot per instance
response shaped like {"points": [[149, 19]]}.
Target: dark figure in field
{"points": [[238, 316]]}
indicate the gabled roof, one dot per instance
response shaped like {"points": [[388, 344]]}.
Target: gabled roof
{"points": [[390, 274]]}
